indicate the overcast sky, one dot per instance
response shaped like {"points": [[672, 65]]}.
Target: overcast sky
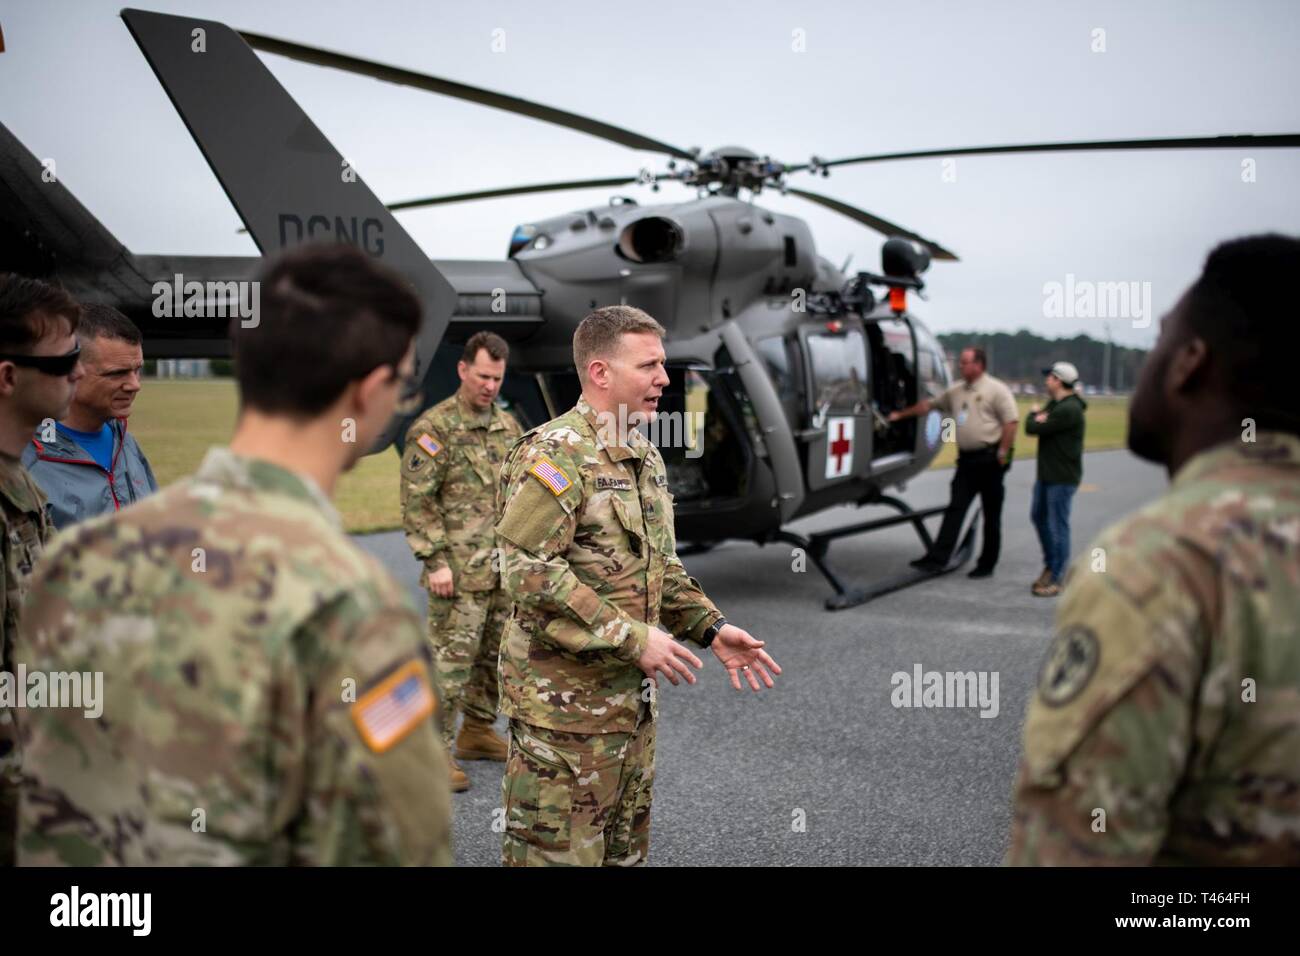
{"points": [[872, 77]]}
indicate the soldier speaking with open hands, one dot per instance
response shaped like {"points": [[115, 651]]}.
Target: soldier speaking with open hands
{"points": [[589, 559]]}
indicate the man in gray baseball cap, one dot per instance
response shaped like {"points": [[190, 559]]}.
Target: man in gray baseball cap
{"points": [[1059, 427]]}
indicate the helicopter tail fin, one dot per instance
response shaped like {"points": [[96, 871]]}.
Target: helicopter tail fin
{"points": [[284, 178]]}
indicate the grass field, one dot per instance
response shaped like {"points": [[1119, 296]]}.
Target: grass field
{"points": [[177, 420]]}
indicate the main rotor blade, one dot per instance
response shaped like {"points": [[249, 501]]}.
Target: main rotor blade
{"points": [[875, 222], [1243, 141], [511, 191], [474, 94]]}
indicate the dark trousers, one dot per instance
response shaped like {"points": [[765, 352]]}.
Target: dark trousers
{"points": [[978, 473]]}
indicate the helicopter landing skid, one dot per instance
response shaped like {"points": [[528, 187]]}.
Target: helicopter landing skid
{"points": [[817, 544]]}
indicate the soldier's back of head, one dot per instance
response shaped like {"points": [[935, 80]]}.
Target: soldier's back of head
{"points": [[260, 691]]}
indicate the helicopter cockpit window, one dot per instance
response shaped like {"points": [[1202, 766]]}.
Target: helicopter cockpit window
{"points": [[931, 366], [839, 369]]}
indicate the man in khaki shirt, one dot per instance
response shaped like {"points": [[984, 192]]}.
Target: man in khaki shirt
{"points": [[986, 417]]}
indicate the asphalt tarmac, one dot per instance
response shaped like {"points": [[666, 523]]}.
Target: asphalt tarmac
{"points": [[824, 769]]}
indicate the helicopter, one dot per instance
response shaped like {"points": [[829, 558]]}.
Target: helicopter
{"points": [[783, 367]]}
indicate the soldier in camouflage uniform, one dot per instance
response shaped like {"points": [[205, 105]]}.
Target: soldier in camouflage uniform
{"points": [[586, 531], [38, 377], [1166, 723], [267, 694], [453, 456]]}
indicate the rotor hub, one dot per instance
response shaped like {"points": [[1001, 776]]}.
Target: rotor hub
{"points": [[729, 169]]}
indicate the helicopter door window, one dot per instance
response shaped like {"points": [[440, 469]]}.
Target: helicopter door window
{"points": [[900, 370], [839, 369], [784, 371], [701, 438], [777, 362], [895, 366]]}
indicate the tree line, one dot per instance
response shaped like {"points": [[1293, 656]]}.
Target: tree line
{"points": [[1021, 356]]}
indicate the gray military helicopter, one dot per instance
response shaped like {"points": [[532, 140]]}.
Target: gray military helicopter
{"points": [[784, 367]]}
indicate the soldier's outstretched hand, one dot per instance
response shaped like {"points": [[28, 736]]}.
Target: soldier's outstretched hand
{"points": [[740, 654], [663, 655]]}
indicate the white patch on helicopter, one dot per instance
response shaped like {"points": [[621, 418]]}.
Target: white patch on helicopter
{"points": [[839, 447], [933, 427]]}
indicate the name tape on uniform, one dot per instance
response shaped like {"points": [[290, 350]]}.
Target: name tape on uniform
{"points": [[393, 708], [549, 474]]}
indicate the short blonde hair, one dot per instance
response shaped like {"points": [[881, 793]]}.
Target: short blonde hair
{"points": [[599, 334]]}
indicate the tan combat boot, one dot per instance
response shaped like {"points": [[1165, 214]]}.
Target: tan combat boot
{"points": [[478, 741], [1044, 578], [459, 779]]}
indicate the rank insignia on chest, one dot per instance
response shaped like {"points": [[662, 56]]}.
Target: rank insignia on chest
{"points": [[549, 474], [393, 708], [604, 482], [428, 445]]}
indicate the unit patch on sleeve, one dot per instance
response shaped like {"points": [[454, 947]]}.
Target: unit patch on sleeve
{"points": [[1071, 661]]}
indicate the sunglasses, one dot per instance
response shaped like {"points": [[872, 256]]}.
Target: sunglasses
{"points": [[48, 364]]}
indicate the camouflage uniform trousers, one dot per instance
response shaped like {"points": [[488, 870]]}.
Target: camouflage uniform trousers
{"points": [[465, 632], [577, 799]]}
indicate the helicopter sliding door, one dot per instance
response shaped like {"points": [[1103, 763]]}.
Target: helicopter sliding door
{"points": [[836, 438], [894, 384]]}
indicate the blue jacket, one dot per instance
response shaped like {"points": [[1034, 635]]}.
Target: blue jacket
{"points": [[77, 487]]}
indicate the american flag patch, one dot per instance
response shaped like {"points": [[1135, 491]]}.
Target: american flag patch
{"points": [[548, 474], [431, 447], [388, 712]]}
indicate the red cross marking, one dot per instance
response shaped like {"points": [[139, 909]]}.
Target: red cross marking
{"points": [[840, 446]]}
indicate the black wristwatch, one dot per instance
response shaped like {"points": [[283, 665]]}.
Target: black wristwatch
{"points": [[712, 631]]}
